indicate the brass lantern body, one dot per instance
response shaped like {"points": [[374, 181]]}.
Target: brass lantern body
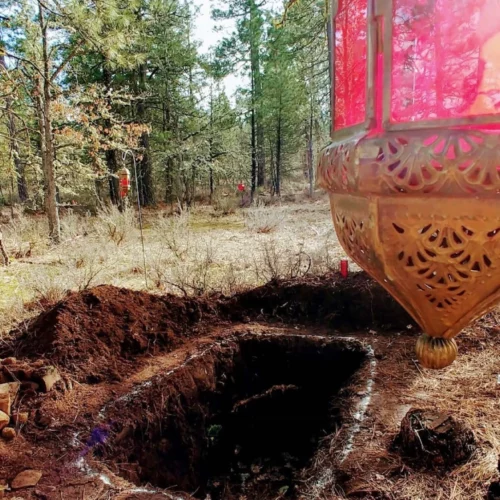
{"points": [[417, 205], [430, 237]]}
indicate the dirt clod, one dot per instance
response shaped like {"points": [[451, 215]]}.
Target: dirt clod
{"points": [[47, 377], [8, 433], [20, 418], [4, 419], [26, 479], [5, 402], [434, 439]]}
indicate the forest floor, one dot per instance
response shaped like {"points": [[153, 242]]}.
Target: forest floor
{"points": [[231, 388]]}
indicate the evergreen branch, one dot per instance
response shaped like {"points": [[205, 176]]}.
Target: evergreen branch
{"points": [[66, 60]]}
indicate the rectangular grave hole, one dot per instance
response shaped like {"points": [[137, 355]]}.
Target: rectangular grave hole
{"points": [[243, 419]]}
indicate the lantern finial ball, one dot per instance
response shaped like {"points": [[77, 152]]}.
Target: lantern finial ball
{"points": [[436, 352]]}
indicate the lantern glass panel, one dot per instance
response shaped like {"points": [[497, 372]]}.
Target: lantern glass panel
{"points": [[351, 50], [445, 59]]}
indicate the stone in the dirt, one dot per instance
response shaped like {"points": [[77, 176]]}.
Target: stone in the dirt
{"points": [[9, 361], [8, 394], [5, 402], [47, 376], [26, 479], [434, 439], [4, 419], [20, 417], [8, 433], [11, 388]]}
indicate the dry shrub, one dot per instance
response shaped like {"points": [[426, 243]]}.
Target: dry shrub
{"points": [[89, 265], [190, 272], [274, 263], [225, 204], [174, 233], [45, 288], [117, 226], [24, 235], [326, 256], [264, 220], [75, 225]]}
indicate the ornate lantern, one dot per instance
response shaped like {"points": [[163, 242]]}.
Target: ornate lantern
{"points": [[124, 180], [413, 171]]}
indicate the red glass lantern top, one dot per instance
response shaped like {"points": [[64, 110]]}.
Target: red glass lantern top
{"points": [[446, 59], [441, 59], [350, 63]]}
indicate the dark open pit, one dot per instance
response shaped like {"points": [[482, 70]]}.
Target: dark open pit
{"points": [[244, 417]]}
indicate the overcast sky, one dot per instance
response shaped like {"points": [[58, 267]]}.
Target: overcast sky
{"points": [[204, 32]]}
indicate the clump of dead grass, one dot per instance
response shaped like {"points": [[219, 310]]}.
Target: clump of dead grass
{"points": [[118, 226], [264, 220]]}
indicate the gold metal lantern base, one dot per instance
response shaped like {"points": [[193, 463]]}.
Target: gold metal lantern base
{"points": [[420, 212]]}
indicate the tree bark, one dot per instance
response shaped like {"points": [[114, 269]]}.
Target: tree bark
{"points": [[261, 152], [145, 167], [22, 186], [310, 150], [278, 156], [44, 98], [113, 157], [254, 151], [257, 128], [3, 253]]}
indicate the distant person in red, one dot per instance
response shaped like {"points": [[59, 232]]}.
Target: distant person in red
{"points": [[241, 189]]}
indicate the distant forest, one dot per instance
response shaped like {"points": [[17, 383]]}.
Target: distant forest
{"points": [[88, 88]]}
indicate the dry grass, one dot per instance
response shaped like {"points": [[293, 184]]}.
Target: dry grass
{"points": [[190, 253], [264, 220]]}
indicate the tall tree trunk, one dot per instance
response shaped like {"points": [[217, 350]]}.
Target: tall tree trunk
{"points": [[146, 191], [278, 155], [253, 147], [169, 181], [113, 156], [310, 149], [211, 142], [257, 126], [113, 161], [44, 99], [261, 152], [22, 186]]}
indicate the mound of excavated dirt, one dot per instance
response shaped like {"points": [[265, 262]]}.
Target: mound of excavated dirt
{"points": [[95, 334], [354, 303]]}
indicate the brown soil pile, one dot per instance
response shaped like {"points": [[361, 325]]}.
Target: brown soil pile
{"points": [[354, 303], [95, 334]]}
